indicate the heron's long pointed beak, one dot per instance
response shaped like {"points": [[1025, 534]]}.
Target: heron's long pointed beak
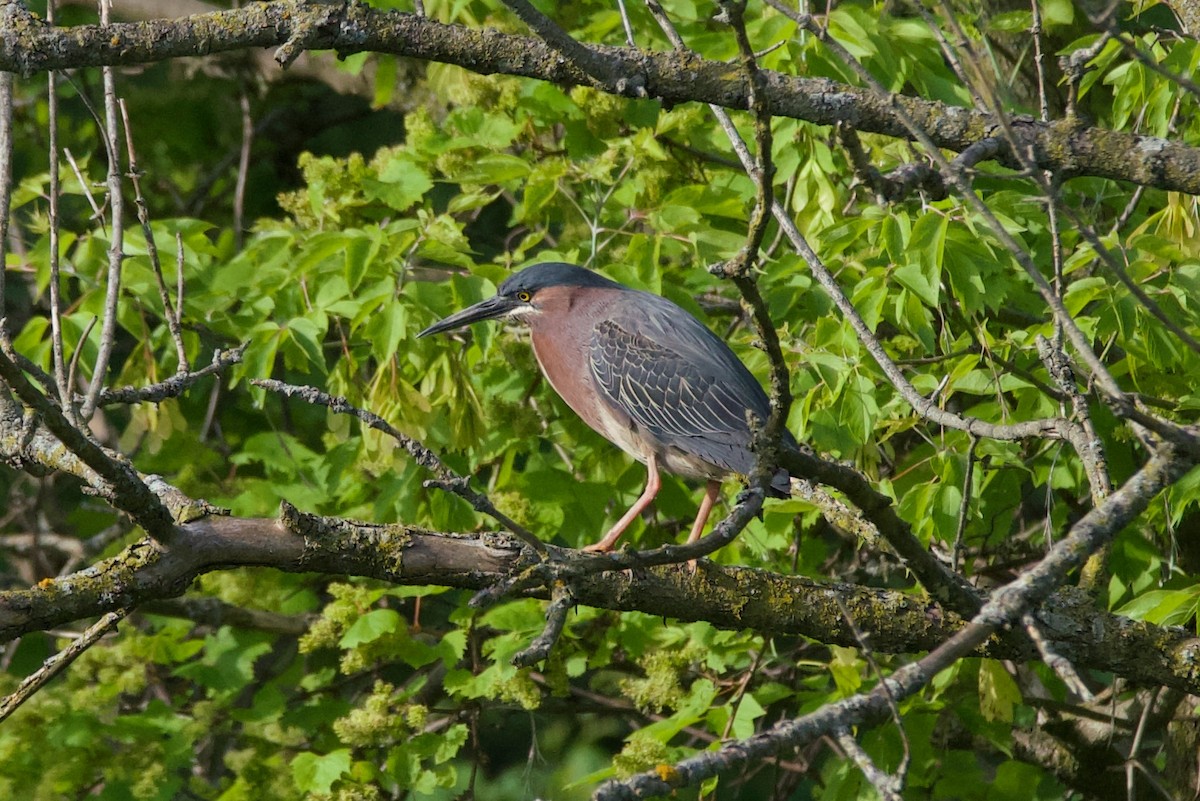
{"points": [[490, 309]]}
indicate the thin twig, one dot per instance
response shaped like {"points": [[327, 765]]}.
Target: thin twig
{"points": [[174, 386], [447, 479], [55, 664], [629, 40], [741, 268], [170, 314], [239, 189], [1061, 666], [6, 151], [964, 508], [1136, 744], [1039, 60], [116, 256], [84, 184], [178, 272], [62, 387], [885, 784], [77, 354], [560, 605]]}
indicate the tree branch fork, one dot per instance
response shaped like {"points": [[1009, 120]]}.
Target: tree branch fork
{"points": [[29, 46]]}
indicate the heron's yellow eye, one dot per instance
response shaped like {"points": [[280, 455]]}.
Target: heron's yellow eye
{"points": [[524, 297]]}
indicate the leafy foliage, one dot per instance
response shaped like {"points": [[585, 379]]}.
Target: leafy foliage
{"points": [[394, 692]]}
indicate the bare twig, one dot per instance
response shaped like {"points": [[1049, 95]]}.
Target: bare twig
{"points": [[1054, 660], [740, 268], [84, 183], [629, 40], [55, 664], [607, 73], [239, 189], [61, 379], [170, 313], [116, 203], [1136, 744], [896, 782], [561, 601], [179, 271], [1039, 60], [73, 368], [884, 783], [174, 386], [964, 508], [446, 479], [6, 150]]}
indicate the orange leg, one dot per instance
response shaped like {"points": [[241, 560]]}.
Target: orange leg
{"points": [[710, 497], [652, 486]]}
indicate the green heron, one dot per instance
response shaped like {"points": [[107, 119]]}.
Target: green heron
{"points": [[642, 372]]}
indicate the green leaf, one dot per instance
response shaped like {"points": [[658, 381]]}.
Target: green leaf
{"points": [[1011, 22], [846, 669], [998, 693], [1057, 12], [316, 773], [494, 168], [1164, 607], [401, 183], [371, 626]]}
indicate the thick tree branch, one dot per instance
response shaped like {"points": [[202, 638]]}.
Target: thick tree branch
{"points": [[28, 46], [728, 597]]}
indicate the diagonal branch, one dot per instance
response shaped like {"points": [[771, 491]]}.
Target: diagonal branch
{"points": [[447, 479], [1094, 529], [127, 490]]}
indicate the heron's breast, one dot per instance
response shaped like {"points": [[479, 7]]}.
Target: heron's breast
{"points": [[562, 334]]}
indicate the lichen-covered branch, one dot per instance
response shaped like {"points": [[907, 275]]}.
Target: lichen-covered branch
{"points": [[727, 597], [27, 45]]}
